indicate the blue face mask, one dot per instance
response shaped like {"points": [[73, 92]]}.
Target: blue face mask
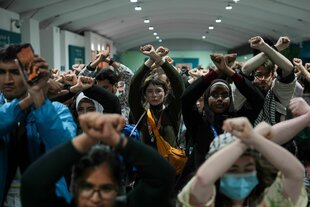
{"points": [[238, 186]]}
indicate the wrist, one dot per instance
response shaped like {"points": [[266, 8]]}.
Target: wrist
{"points": [[111, 61], [122, 142], [83, 143]]}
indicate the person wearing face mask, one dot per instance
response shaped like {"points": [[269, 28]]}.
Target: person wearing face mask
{"points": [[235, 173]]}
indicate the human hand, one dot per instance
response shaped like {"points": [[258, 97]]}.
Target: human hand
{"points": [[307, 66], [282, 43], [230, 59], [54, 87], [103, 127], [149, 50], [70, 79], [39, 88], [257, 43], [169, 59], [241, 128], [162, 51], [195, 73], [83, 83]]}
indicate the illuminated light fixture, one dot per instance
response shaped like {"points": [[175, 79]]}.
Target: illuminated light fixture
{"points": [[155, 33], [203, 37], [102, 48], [160, 40], [157, 37], [138, 8], [146, 21], [228, 7], [99, 47], [133, 1], [92, 46], [211, 27], [218, 20], [236, 1], [151, 28]]}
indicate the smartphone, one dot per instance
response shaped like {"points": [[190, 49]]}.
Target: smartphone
{"points": [[26, 57]]}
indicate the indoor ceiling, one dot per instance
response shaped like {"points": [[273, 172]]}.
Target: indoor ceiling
{"points": [[174, 20]]}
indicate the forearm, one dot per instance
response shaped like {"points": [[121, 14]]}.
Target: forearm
{"points": [[25, 103], [278, 157], [305, 73], [253, 63], [278, 59], [286, 130], [213, 168], [175, 79], [95, 63], [83, 143]]}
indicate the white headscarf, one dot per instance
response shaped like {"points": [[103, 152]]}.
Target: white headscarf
{"points": [[97, 105]]}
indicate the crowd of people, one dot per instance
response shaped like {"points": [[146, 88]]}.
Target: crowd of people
{"points": [[232, 134]]}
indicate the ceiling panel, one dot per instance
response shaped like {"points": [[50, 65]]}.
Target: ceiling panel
{"points": [[172, 19]]}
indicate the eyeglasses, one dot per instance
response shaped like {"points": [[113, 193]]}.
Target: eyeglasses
{"points": [[87, 190], [218, 95]]}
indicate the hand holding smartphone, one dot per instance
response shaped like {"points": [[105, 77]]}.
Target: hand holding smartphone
{"points": [[26, 58]]}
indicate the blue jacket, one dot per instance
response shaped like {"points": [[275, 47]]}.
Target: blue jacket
{"points": [[50, 125]]}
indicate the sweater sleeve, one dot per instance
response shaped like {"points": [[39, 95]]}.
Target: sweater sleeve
{"points": [[177, 87], [38, 181], [108, 100], [135, 96], [157, 175], [191, 95]]}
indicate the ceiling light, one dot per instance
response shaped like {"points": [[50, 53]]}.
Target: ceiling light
{"points": [[211, 27], [133, 1], [151, 28], [157, 37], [160, 40], [138, 8], [218, 20], [236, 1], [203, 37], [228, 7], [155, 33], [146, 21]]}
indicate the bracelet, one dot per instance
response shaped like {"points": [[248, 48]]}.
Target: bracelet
{"points": [[111, 61], [119, 146]]}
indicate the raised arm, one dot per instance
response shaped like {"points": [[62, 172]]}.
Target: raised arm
{"points": [[135, 95], [276, 57], [303, 70], [212, 169], [278, 156], [284, 131]]}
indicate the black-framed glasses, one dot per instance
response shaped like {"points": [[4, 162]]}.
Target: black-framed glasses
{"points": [[87, 190]]}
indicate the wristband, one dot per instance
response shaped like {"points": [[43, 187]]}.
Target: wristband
{"points": [[111, 61]]}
